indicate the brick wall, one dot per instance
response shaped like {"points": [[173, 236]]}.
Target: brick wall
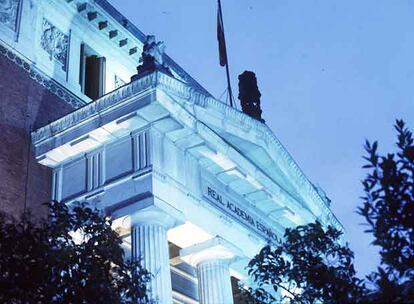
{"points": [[24, 105]]}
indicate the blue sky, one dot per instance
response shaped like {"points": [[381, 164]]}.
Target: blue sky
{"points": [[331, 74]]}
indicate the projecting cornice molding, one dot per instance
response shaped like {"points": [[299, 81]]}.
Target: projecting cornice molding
{"points": [[191, 98]]}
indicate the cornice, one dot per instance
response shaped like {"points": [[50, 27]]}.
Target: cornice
{"points": [[94, 108]]}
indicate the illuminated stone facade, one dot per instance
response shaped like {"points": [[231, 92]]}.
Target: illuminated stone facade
{"points": [[196, 188]]}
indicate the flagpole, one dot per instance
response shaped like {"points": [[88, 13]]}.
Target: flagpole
{"points": [[227, 61]]}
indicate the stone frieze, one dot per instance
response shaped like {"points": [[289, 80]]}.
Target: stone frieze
{"points": [[9, 10], [55, 43]]}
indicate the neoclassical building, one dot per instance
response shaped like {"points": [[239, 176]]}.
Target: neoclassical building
{"points": [[195, 187]]}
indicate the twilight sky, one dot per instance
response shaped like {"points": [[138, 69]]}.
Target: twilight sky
{"points": [[331, 74]]}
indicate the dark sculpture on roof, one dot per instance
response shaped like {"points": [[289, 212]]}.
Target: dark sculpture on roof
{"points": [[153, 51], [152, 57], [249, 95]]}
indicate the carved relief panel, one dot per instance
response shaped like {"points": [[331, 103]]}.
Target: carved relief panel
{"points": [[55, 43], [9, 12]]}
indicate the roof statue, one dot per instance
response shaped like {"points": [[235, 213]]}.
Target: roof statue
{"points": [[152, 57], [249, 95]]}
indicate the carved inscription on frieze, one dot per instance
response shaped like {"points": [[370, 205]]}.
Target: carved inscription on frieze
{"points": [[55, 43], [236, 211], [9, 10]]}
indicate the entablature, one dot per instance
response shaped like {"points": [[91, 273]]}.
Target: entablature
{"points": [[170, 106]]}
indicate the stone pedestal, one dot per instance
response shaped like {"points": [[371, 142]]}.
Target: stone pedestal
{"points": [[150, 245]]}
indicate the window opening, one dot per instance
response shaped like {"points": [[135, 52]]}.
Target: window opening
{"points": [[92, 72]]}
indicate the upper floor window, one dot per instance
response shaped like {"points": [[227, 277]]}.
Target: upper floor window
{"points": [[92, 72]]}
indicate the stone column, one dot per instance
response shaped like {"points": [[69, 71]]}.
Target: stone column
{"points": [[212, 259], [214, 284], [150, 244]]}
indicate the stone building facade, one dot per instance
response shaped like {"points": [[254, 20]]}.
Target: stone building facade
{"points": [[195, 187]]}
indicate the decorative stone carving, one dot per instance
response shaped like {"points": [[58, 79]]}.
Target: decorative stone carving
{"points": [[152, 58], [55, 43], [153, 51], [9, 10]]}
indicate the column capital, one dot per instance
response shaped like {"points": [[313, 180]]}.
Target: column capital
{"points": [[154, 215], [212, 259], [215, 249]]}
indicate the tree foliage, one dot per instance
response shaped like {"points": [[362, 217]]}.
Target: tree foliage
{"points": [[41, 262], [388, 208], [308, 265], [301, 264]]}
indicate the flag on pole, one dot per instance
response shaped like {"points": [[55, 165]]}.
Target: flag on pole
{"points": [[220, 37], [222, 49]]}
